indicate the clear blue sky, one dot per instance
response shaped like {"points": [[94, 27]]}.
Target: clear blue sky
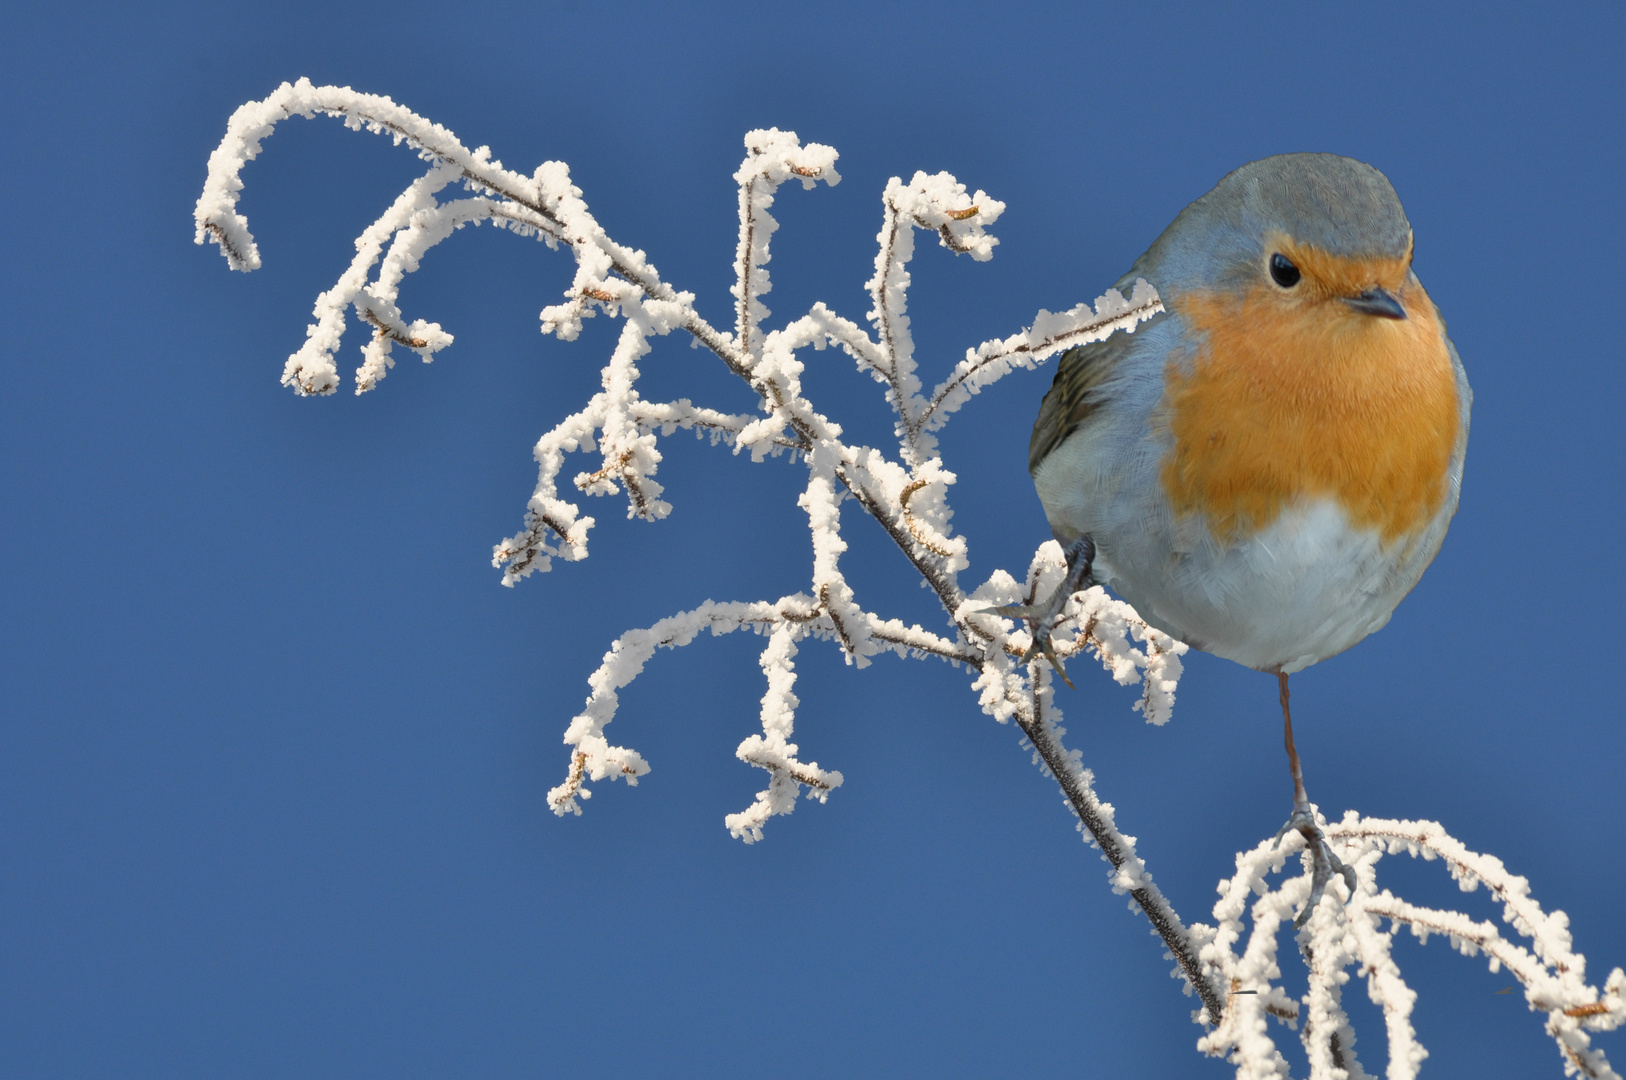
{"points": [[274, 743]]}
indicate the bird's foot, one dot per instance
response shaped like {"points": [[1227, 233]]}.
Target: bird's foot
{"points": [[1040, 616], [1324, 863]]}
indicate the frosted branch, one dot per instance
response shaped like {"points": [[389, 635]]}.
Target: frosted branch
{"points": [[773, 156], [939, 204], [1049, 334], [1233, 970], [593, 758], [773, 750], [1346, 932]]}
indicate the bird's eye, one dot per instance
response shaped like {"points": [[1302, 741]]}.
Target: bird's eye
{"points": [[1283, 272]]}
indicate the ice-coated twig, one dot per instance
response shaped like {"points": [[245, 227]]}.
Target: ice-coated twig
{"points": [[939, 204], [311, 370], [773, 750], [1094, 622], [772, 157], [1346, 933], [1049, 334], [1234, 975]]}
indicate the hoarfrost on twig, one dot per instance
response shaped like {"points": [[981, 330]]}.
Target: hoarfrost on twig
{"points": [[1347, 933], [904, 491]]}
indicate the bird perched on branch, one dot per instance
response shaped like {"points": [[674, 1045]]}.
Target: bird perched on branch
{"points": [[1265, 469]]}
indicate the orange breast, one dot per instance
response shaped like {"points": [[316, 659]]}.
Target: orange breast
{"points": [[1292, 393]]}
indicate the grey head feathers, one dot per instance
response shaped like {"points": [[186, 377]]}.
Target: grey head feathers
{"points": [[1338, 204]]}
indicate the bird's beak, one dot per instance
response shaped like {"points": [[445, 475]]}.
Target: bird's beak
{"points": [[1379, 302]]}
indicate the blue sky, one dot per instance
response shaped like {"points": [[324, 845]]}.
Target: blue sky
{"points": [[275, 742]]}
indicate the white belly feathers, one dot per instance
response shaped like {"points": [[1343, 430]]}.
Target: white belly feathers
{"points": [[1306, 587]]}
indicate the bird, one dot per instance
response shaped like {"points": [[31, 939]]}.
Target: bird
{"points": [[1264, 469]]}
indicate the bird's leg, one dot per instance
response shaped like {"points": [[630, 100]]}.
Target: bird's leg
{"points": [[1080, 559], [1323, 862]]}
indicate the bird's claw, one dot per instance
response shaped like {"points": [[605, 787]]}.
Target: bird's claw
{"points": [[1080, 557], [1324, 862], [1037, 617], [1041, 644]]}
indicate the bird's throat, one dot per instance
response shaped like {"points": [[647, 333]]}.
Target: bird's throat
{"points": [[1284, 397]]}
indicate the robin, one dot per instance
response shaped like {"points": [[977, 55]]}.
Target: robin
{"points": [[1265, 469]]}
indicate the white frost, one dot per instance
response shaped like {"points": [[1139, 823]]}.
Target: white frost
{"points": [[1346, 933], [1234, 970]]}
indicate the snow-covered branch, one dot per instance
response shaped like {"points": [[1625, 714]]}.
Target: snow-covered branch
{"points": [[904, 490], [1341, 936]]}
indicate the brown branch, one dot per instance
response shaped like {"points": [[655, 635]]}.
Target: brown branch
{"points": [[577, 773], [737, 357], [799, 774], [742, 319], [547, 225], [630, 479], [384, 329], [1152, 903], [536, 525], [959, 377], [949, 650], [654, 289], [219, 234], [619, 465], [649, 422], [1575, 1059], [950, 241], [883, 326], [915, 528], [948, 594], [841, 630]]}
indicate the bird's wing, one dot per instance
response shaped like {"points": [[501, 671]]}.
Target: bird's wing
{"points": [[1074, 397]]}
